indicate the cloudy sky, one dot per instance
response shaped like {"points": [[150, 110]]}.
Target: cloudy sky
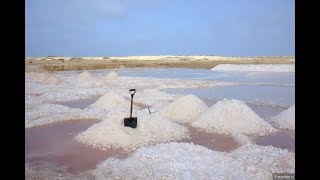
{"points": [[160, 27]]}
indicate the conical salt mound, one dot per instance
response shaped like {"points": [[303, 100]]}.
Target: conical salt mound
{"points": [[112, 101], [151, 129], [84, 75], [286, 119], [40, 77], [46, 78], [184, 109], [51, 80], [112, 75], [232, 116]]}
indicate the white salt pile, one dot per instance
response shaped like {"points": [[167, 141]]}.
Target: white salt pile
{"points": [[112, 75], [151, 128], [187, 161], [232, 116], [51, 80], [256, 67], [40, 77], [286, 119], [46, 78], [184, 109], [112, 101], [84, 75]]}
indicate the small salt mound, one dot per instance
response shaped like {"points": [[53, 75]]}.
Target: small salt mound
{"points": [[84, 75], [112, 101], [232, 116], [45, 78], [286, 119], [188, 161], [256, 67], [184, 109], [151, 128], [112, 75], [51, 80], [40, 77]]}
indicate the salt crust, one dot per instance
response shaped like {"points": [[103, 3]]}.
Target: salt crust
{"points": [[50, 113], [32, 173], [154, 98], [73, 88], [256, 67], [188, 161]]}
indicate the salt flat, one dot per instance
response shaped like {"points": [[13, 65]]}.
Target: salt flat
{"points": [[153, 146]]}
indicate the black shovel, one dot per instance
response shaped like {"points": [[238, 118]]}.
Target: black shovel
{"points": [[131, 121]]}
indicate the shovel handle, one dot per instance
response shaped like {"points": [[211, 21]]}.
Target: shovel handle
{"points": [[132, 92]]}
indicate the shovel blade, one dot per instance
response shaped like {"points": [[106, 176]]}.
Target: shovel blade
{"points": [[131, 122]]}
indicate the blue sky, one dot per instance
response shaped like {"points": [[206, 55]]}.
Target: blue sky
{"points": [[160, 27]]}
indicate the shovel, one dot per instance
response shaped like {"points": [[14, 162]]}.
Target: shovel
{"points": [[131, 121]]}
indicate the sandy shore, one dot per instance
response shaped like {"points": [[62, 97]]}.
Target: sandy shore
{"points": [[87, 63]]}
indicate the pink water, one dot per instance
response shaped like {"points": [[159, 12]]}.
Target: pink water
{"points": [[54, 146]]}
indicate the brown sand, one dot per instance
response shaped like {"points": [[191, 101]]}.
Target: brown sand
{"points": [[44, 65]]}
